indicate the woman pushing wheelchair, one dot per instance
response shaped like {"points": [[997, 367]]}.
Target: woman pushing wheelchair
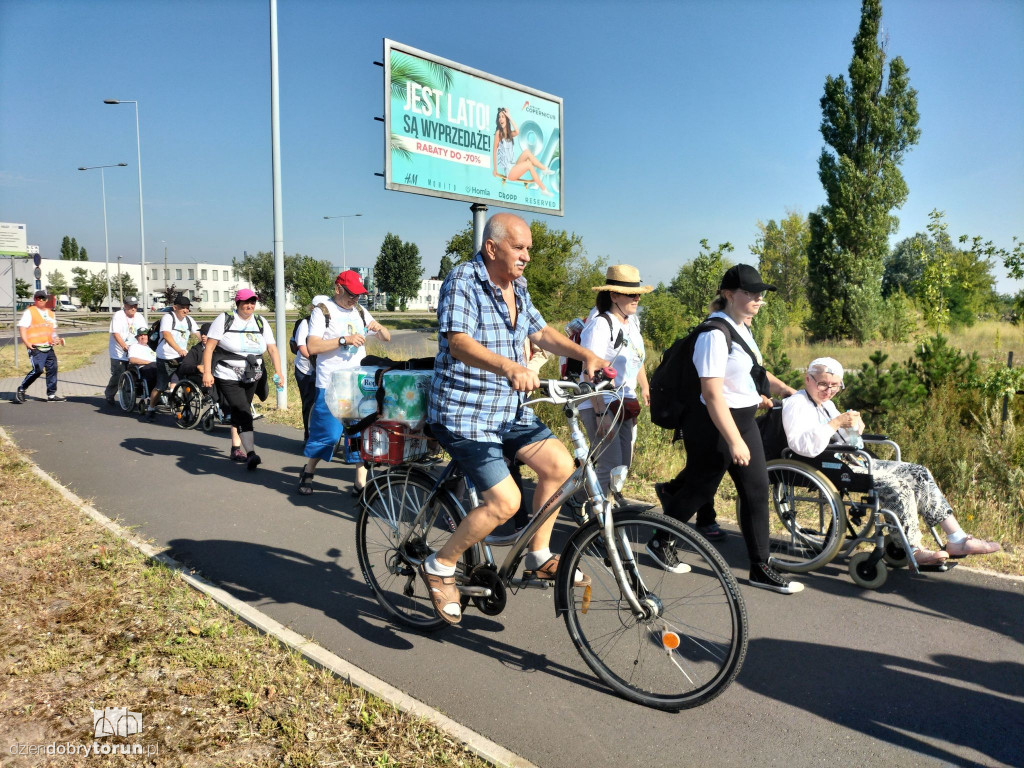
{"points": [[812, 422]]}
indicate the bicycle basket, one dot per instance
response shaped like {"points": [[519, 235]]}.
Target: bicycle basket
{"points": [[389, 442]]}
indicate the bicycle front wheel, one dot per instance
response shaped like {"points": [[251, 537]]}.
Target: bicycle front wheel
{"points": [[390, 514], [690, 640]]}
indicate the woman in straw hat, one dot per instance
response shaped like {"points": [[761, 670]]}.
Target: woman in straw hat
{"points": [[613, 333]]}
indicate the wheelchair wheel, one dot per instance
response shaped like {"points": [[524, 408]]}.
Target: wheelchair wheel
{"points": [[187, 405], [208, 421], [894, 553], [865, 573], [126, 392], [807, 517]]}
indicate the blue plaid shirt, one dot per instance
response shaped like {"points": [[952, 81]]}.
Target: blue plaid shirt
{"points": [[470, 402]]}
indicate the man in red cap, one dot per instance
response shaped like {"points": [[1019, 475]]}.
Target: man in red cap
{"points": [[338, 339]]}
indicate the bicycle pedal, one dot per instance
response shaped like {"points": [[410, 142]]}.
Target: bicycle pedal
{"points": [[530, 583], [470, 591]]}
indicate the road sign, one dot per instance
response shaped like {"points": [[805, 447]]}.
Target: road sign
{"points": [[12, 239], [38, 274], [36, 258]]}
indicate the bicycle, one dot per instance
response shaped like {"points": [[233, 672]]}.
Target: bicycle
{"points": [[663, 639]]}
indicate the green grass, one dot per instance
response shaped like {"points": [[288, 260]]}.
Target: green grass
{"points": [[78, 352]]}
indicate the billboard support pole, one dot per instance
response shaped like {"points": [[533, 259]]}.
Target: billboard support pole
{"points": [[14, 311], [479, 219], [280, 295]]}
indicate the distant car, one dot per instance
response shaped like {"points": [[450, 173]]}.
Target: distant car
{"points": [[66, 306]]}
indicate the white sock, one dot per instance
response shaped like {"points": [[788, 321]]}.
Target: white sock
{"points": [[956, 537], [435, 568], [536, 559]]}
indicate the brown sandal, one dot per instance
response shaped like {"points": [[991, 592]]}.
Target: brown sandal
{"points": [[442, 592], [548, 570]]}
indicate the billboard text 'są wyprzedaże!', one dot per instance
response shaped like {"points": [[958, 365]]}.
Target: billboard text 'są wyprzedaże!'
{"points": [[462, 134]]}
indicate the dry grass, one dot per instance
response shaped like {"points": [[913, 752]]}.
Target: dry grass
{"points": [[77, 353], [91, 623]]}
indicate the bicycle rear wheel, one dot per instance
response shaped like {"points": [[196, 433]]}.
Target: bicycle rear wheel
{"points": [[389, 506], [691, 641], [187, 405]]}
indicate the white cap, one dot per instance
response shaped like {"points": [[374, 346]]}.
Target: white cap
{"points": [[826, 365]]}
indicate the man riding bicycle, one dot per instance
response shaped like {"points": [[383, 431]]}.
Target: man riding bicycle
{"points": [[476, 401]]}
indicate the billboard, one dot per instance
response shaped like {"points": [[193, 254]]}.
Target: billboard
{"points": [[13, 241], [462, 134]]}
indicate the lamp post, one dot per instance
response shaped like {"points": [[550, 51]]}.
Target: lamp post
{"points": [[106, 239], [142, 226], [120, 285], [344, 258]]}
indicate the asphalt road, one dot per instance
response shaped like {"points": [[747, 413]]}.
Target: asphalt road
{"points": [[927, 671]]}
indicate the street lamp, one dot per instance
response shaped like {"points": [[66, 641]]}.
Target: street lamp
{"points": [[142, 226], [106, 239], [344, 258]]}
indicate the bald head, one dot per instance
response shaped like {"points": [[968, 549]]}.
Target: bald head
{"points": [[506, 250]]}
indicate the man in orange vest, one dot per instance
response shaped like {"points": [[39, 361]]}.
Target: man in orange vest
{"points": [[38, 329]]}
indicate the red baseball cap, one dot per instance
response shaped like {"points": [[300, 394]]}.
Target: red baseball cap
{"points": [[351, 282]]}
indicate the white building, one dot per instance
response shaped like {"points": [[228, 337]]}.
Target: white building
{"points": [[426, 299], [217, 283]]}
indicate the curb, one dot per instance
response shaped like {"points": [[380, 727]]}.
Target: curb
{"points": [[315, 654]]}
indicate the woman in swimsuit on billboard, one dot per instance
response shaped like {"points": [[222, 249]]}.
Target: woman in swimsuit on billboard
{"points": [[505, 163]]}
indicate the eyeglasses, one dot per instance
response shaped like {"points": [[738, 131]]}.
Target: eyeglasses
{"points": [[348, 293], [824, 386], [754, 296]]}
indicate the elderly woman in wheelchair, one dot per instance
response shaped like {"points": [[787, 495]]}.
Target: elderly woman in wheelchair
{"points": [[815, 428]]}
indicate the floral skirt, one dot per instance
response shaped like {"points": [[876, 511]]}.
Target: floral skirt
{"points": [[910, 490]]}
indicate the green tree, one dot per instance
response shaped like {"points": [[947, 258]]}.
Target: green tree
{"points": [[398, 270], [69, 250], [126, 287], [662, 321], [56, 282], [310, 278], [22, 288], [868, 125], [90, 289], [459, 248], [903, 267], [781, 249], [447, 265], [258, 270], [697, 281]]}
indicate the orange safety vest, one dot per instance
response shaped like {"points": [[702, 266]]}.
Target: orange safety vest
{"points": [[40, 331]]}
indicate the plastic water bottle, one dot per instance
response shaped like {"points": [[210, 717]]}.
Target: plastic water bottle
{"points": [[851, 435]]}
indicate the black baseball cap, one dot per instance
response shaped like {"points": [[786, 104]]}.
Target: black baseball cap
{"points": [[744, 277], [204, 329], [181, 300], [40, 295]]}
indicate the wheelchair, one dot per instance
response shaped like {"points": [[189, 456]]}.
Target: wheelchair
{"points": [[192, 406], [819, 505], [132, 391]]}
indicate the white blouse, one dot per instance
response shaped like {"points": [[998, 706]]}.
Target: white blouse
{"points": [[716, 357], [807, 424]]}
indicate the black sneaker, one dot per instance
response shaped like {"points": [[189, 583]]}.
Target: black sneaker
{"points": [[19, 395], [663, 551], [762, 575], [55, 399], [252, 460], [150, 415]]}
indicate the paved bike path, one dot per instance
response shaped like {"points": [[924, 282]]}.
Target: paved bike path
{"points": [[926, 671]]}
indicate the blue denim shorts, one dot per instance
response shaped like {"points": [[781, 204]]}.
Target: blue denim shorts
{"points": [[484, 463]]}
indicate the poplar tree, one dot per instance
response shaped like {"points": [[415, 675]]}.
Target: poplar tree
{"points": [[868, 124]]}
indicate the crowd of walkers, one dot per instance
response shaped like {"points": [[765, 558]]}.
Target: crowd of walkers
{"points": [[491, 343]]}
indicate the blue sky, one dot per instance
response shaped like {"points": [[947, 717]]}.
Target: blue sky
{"points": [[683, 120]]}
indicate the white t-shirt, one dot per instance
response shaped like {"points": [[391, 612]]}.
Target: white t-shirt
{"points": [[127, 327], [241, 337], [343, 322], [715, 357], [180, 330], [627, 359], [301, 332], [141, 352]]}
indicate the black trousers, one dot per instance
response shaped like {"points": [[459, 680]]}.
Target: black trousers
{"points": [[238, 399], [707, 460], [306, 382]]}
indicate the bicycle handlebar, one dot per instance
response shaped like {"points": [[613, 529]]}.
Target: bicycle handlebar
{"points": [[560, 392]]}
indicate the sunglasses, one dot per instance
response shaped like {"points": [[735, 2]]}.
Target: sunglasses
{"points": [[754, 296]]}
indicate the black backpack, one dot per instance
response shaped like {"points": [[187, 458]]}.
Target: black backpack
{"points": [[675, 385], [773, 435], [571, 368], [154, 329]]}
